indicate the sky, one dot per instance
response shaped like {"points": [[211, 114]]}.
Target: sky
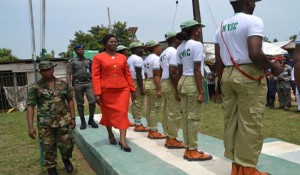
{"points": [[152, 17]]}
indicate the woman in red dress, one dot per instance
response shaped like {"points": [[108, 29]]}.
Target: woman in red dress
{"points": [[112, 84]]}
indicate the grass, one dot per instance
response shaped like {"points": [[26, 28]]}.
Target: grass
{"points": [[20, 154], [283, 125]]}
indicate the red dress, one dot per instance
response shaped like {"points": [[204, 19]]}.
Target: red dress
{"points": [[111, 79]]}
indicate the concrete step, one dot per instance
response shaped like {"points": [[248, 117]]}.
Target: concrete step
{"points": [[151, 157]]}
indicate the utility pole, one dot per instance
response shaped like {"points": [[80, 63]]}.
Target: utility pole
{"points": [[32, 39], [43, 50], [109, 22], [197, 16]]}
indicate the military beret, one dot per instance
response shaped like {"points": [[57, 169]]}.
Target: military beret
{"points": [[77, 46]]}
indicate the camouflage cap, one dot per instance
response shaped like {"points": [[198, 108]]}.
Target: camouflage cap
{"points": [[46, 65]]}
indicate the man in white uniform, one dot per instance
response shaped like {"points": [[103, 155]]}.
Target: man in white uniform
{"points": [[240, 60], [135, 63], [170, 96]]}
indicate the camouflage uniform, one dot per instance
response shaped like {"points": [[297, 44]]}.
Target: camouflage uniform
{"points": [[53, 119], [80, 68]]}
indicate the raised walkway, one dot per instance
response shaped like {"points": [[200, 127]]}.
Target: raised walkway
{"points": [[150, 157]]}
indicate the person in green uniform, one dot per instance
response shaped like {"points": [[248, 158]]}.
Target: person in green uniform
{"points": [[79, 73], [55, 117]]}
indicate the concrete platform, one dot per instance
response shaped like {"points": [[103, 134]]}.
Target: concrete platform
{"points": [[150, 157]]}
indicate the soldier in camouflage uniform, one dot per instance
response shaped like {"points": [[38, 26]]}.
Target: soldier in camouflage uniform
{"points": [[80, 71], [55, 117]]}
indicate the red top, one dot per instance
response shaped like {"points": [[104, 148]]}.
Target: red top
{"points": [[110, 72]]}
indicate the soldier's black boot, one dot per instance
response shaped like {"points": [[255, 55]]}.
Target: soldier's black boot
{"points": [[52, 171], [91, 121], [80, 110], [68, 165], [83, 123]]}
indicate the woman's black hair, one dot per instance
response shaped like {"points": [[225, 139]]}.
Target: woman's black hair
{"points": [[186, 33], [107, 37]]}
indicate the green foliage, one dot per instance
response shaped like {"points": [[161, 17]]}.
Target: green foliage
{"points": [[293, 37], [6, 55], [92, 39]]}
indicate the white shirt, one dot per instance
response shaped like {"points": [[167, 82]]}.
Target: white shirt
{"points": [[188, 53], [151, 63], [236, 31], [168, 57], [133, 62], [298, 38]]}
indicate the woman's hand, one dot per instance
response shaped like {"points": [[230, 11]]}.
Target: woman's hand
{"points": [[98, 99]]}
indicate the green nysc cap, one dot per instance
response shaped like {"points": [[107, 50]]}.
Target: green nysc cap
{"points": [[46, 65], [121, 47], [135, 44], [190, 23], [170, 34], [151, 43]]}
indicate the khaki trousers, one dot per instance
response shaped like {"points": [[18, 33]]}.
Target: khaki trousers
{"points": [[153, 104], [243, 105], [191, 111], [172, 109], [137, 108]]}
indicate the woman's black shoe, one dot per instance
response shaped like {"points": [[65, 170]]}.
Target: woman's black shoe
{"points": [[112, 140], [126, 149]]}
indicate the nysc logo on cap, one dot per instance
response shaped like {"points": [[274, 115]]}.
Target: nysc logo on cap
{"points": [[46, 65]]}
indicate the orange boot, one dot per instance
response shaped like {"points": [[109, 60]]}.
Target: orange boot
{"points": [[156, 135], [195, 155], [235, 169], [186, 153], [250, 171], [173, 143]]}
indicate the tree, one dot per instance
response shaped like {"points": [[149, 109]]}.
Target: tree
{"points": [[275, 40], [6, 55], [293, 37], [92, 40]]}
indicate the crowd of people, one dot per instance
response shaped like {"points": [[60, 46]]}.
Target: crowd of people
{"points": [[167, 87]]}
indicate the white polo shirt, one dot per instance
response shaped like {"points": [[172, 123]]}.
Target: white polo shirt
{"points": [[236, 31], [298, 38], [133, 62], [151, 63], [168, 57], [188, 53]]}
